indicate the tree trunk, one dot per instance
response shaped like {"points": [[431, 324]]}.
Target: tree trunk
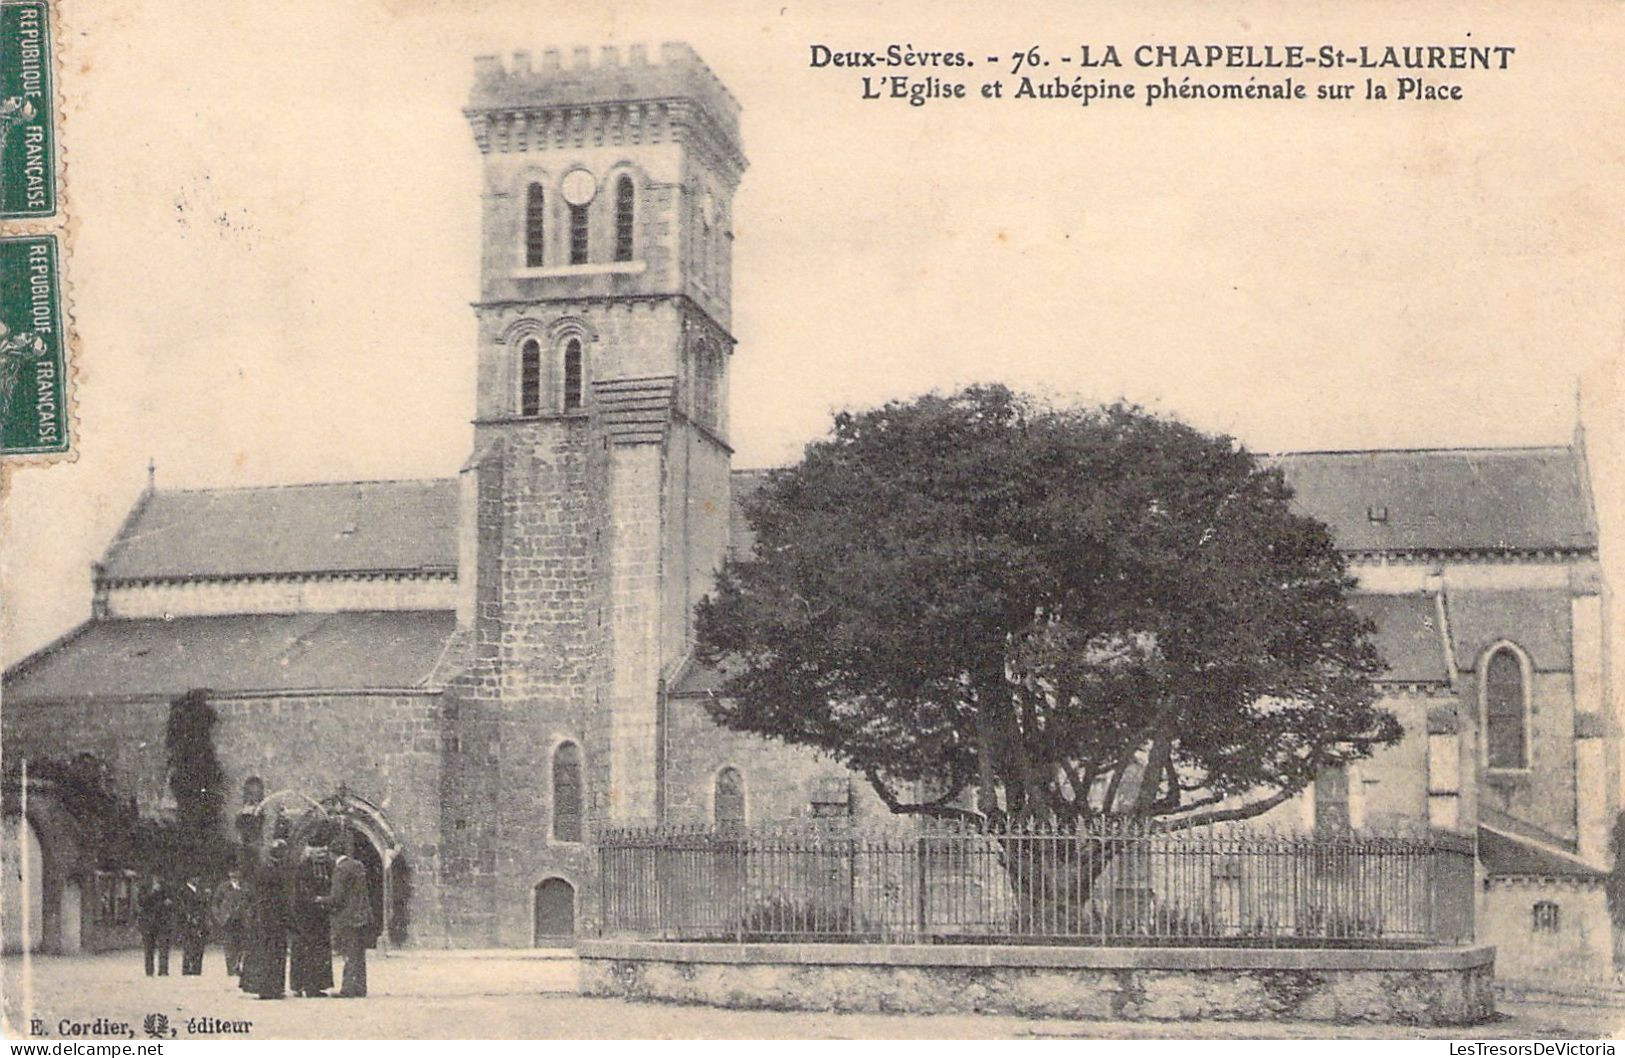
{"points": [[1075, 884]]}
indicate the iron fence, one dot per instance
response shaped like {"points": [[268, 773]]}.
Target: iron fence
{"points": [[1095, 885]]}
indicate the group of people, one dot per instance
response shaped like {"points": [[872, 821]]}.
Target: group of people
{"points": [[169, 914], [281, 917]]}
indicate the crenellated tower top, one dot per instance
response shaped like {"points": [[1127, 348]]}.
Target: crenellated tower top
{"points": [[526, 107]]}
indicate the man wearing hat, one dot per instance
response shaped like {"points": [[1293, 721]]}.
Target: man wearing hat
{"points": [[350, 906]]}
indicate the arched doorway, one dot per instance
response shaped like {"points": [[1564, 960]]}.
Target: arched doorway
{"points": [[375, 844], [23, 854], [378, 848], [555, 913]]}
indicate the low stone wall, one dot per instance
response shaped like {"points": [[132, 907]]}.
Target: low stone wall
{"points": [[1450, 986]]}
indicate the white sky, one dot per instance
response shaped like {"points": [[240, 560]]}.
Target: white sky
{"points": [[276, 210]]}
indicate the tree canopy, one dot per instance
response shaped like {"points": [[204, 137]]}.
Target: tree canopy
{"points": [[1076, 612]]}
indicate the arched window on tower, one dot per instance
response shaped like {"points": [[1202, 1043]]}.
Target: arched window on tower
{"points": [[728, 804], [572, 375], [623, 219], [578, 235], [707, 371], [567, 792], [1506, 710], [535, 226], [530, 377]]}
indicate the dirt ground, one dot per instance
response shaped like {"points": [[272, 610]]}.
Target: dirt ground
{"points": [[436, 995]]}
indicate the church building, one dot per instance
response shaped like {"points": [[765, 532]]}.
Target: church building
{"points": [[482, 672]]}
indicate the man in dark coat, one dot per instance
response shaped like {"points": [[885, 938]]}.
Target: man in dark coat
{"points": [[265, 958], [192, 924], [350, 907], [230, 909], [310, 962], [155, 914]]}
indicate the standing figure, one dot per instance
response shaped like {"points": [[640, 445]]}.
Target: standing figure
{"points": [[310, 971], [229, 914], [154, 912], [350, 905], [192, 924], [265, 960]]}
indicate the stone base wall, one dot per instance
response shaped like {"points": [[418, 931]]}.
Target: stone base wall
{"points": [[1425, 987]]}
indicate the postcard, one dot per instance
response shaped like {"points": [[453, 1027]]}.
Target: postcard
{"points": [[745, 520]]}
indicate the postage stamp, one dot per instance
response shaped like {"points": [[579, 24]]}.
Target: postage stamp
{"points": [[28, 142], [33, 348]]}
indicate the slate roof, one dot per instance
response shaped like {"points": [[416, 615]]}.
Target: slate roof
{"points": [[1504, 854], [238, 652], [1433, 500], [328, 527], [694, 680], [1453, 499]]}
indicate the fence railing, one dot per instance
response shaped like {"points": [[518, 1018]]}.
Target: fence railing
{"points": [[1092, 885]]}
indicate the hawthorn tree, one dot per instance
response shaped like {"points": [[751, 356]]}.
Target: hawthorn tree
{"points": [[1075, 615]]}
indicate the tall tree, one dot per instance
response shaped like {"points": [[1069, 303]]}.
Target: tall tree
{"points": [[1080, 614], [197, 781]]}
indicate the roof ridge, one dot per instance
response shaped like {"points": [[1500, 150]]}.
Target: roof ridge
{"points": [[448, 478], [1414, 450], [1508, 449]]}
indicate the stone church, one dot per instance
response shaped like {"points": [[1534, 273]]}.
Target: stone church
{"points": [[480, 672]]}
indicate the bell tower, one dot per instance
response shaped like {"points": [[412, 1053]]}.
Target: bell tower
{"points": [[595, 503]]}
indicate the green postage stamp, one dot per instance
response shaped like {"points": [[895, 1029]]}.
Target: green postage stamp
{"points": [[33, 348], [27, 112]]}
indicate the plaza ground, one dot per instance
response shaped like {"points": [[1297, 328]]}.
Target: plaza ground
{"points": [[532, 995]]}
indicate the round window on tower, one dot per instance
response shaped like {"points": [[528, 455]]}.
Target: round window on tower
{"points": [[579, 187]]}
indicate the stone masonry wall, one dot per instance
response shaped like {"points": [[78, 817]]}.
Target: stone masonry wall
{"points": [[635, 631], [781, 781], [532, 680], [1448, 987], [384, 748]]}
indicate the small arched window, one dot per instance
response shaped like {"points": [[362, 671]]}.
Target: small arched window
{"points": [[578, 235], [1545, 914], [535, 226], [729, 801], [623, 219], [707, 370], [567, 792], [530, 377], [572, 375], [1506, 710]]}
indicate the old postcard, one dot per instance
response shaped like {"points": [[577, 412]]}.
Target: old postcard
{"points": [[885, 520]]}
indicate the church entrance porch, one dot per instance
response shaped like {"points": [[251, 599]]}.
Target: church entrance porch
{"points": [[375, 845]]}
